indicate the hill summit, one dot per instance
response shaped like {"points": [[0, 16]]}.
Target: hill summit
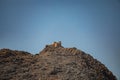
{"points": [[54, 62]]}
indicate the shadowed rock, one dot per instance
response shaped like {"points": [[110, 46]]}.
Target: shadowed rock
{"points": [[54, 62]]}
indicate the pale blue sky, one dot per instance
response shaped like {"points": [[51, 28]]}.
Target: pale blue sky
{"points": [[90, 25]]}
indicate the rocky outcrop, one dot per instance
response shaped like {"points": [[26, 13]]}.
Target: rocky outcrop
{"points": [[52, 63]]}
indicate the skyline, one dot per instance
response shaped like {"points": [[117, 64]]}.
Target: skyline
{"points": [[91, 26]]}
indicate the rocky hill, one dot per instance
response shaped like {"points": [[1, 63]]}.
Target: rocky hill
{"points": [[52, 63]]}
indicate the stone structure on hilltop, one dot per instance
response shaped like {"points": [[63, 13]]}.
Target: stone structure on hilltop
{"points": [[57, 44]]}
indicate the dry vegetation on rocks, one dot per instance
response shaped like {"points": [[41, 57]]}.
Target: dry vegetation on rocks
{"points": [[52, 63]]}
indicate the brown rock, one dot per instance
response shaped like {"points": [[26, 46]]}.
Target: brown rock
{"points": [[52, 63]]}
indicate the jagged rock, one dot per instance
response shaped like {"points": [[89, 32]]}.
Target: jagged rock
{"points": [[52, 63]]}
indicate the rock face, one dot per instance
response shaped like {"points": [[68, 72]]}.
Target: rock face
{"points": [[52, 63]]}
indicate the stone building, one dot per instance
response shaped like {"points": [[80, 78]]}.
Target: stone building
{"points": [[57, 44]]}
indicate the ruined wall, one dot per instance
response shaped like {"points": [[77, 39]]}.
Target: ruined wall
{"points": [[57, 44]]}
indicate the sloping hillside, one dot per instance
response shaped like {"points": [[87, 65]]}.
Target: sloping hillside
{"points": [[52, 63]]}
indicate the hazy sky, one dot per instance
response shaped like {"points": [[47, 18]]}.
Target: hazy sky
{"points": [[90, 25]]}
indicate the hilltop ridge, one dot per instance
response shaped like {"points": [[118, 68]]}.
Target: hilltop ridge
{"points": [[54, 62]]}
